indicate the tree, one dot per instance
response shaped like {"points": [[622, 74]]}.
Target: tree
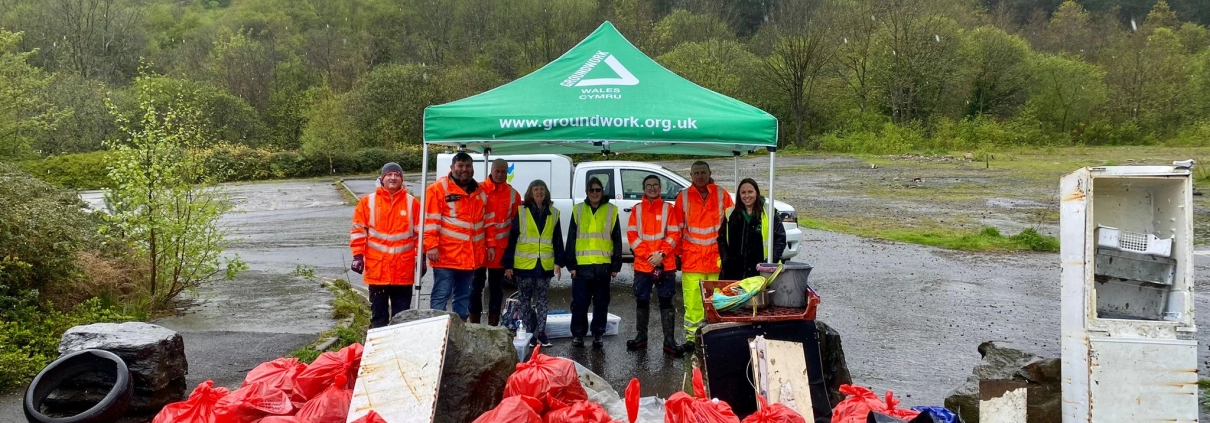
{"points": [[682, 26], [388, 105], [329, 128], [997, 68], [100, 39], [25, 113], [85, 124], [854, 54], [799, 54], [715, 64], [163, 202], [1147, 76], [918, 61], [1064, 90], [1069, 30]]}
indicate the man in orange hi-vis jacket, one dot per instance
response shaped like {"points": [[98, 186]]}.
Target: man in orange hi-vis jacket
{"points": [[701, 208], [653, 233], [455, 235], [383, 239], [502, 202]]}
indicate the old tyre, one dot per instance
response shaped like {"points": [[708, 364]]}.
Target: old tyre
{"points": [[71, 366]]}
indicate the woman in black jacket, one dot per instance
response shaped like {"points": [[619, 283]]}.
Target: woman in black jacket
{"points": [[742, 237]]}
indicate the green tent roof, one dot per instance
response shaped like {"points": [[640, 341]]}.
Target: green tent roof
{"points": [[603, 92]]}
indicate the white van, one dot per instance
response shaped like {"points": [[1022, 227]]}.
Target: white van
{"points": [[623, 182]]}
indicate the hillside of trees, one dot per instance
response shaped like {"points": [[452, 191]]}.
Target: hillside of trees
{"points": [[873, 76]]}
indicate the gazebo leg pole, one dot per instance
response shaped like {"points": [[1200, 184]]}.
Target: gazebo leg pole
{"points": [[773, 219], [735, 162], [424, 179]]}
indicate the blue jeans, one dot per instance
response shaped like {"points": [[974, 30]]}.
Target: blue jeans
{"points": [[455, 283]]}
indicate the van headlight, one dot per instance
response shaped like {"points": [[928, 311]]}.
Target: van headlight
{"points": [[789, 216]]}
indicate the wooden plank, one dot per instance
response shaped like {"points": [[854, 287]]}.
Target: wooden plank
{"points": [[788, 380], [401, 371], [780, 368]]}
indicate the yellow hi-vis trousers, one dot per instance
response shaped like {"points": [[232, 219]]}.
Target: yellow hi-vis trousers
{"points": [[691, 289]]}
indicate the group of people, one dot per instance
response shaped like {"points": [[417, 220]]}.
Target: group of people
{"points": [[477, 234]]}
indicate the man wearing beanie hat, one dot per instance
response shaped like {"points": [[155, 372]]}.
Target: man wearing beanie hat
{"points": [[386, 226]]}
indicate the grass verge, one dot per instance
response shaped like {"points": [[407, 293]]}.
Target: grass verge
{"points": [[986, 239], [1203, 392], [353, 309]]}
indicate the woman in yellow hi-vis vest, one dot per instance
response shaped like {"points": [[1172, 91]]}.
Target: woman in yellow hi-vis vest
{"points": [[534, 254], [742, 238], [594, 257]]}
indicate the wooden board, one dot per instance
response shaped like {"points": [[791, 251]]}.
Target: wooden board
{"points": [[401, 371], [781, 372]]}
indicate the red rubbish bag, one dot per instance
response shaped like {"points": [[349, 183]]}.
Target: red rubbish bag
{"points": [[322, 372], [579, 412], [280, 419], [891, 410], [632, 400], [682, 408], [278, 373], [371, 417], [545, 376], [330, 406], [515, 409], [775, 413], [856, 407], [251, 403], [199, 408]]}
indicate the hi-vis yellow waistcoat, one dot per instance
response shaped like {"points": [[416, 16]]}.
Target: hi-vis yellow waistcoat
{"points": [[593, 245], [533, 246]]}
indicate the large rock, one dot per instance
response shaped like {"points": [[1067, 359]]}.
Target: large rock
{"points": [[478, 362], [154, 354], [1042, 375], [835, 369]]}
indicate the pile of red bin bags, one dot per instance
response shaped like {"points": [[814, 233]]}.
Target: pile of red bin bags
{"points": [[547, 390], [544, 389], [279, 391]]}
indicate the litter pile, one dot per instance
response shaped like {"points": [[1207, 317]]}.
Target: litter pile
{"points": [[280, 391], [547, 389]]}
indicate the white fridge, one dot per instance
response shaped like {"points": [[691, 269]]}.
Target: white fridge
{"points": [[1129, 352]]}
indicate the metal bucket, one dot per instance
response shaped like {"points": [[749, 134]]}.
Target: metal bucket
{"points": [[760, 301], [790, 287]]}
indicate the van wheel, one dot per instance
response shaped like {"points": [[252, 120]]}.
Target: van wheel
{"points": [[71, 366]]}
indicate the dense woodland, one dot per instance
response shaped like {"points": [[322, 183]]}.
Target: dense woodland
{"points": [[317, 76]]}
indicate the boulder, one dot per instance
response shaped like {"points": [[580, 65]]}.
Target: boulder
{"points": [[154, 354], [831, 354], [1042, 375], [478, 361]]}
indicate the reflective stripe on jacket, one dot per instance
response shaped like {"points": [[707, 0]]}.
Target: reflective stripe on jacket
{"points": [[700, 220], [593, 243], [653, 227], [532, 245], [502, 202], [385, 229], [454, 225]]}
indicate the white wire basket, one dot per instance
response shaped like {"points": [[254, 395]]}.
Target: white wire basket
{"points": [[1133, 242]]}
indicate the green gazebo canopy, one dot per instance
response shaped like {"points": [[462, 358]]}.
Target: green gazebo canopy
{"points": [[603, 94]]}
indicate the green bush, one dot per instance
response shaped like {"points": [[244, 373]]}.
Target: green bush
{"points": [[78, 171], [889, 139], [42, 229], [30, 332]]}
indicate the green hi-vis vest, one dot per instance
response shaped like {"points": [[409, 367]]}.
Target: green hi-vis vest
{"points": [[764, 230], [593, 245], [533, 246]]}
